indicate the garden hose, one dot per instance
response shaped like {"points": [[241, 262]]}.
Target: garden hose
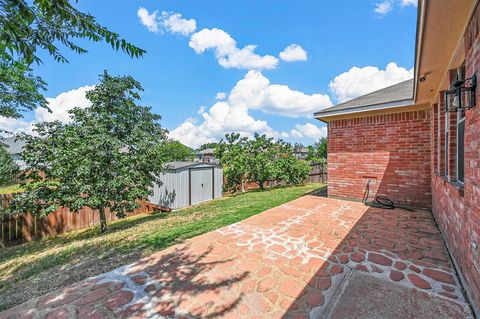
{"points": [[379, 201]]}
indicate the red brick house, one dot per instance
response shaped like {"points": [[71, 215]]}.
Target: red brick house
{"points": [[411, 150]]}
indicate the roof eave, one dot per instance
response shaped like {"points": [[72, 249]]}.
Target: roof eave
{"points": [[418, 44], [366, 108]]}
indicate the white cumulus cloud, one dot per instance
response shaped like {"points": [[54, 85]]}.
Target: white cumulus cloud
{"points": [[359, 81], [220, 96], [227, 53], [253, 92], [59, 105], [384, 7], [149, 20], [293, 52], [174, 23], [166, 21], [309, 130], [62, 103], [406, 3]]}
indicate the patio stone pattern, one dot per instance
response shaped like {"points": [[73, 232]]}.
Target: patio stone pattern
{"points": [[287, 262]]}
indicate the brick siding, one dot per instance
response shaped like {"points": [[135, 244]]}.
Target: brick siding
{"points": [[457, 209], [393, 150]]}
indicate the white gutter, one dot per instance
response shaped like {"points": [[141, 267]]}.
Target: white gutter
{"points": [[422, 7]]}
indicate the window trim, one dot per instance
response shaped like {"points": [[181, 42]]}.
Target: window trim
{"points": [[459, 121], [447, 144]]}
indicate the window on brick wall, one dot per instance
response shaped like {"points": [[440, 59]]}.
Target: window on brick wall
{"points": [[460, 134], [460, 145], [447, 134], [454, 137]]}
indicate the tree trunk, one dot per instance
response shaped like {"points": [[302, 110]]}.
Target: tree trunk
{"points": [[261, 185], [103, 220]]}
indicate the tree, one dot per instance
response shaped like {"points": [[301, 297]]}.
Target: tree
{"points": [[19, 88], [107, 158], [29, 26], [8, 168], [318, 151], [260, 156], [173, 150], [287, 167], [232, 155]]}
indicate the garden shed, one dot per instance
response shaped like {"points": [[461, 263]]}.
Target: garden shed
{"points": [[188, 183]]}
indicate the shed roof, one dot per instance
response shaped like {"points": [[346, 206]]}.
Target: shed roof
{"points": [[178, 165], [399, 94]]}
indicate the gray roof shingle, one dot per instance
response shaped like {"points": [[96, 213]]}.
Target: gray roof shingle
{"points": [[398, 92]]}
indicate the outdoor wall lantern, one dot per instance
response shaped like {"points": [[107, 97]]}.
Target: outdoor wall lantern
{"points": [[460, 96]]}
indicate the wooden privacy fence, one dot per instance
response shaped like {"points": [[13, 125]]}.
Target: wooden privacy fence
{"points": [[21, 228], [318, 173]]}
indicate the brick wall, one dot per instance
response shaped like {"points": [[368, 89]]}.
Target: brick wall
{"points": [[456, 208], [391, 149]]}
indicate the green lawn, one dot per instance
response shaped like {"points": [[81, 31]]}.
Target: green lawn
{"points": [[36, 268]]}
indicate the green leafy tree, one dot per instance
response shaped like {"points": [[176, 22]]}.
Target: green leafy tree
{"points": [[107, 158], [260, 158], [287, 168], [19, 88], [232, 154], [8, 168], [29, 26], [173, 150], [318, 151]]}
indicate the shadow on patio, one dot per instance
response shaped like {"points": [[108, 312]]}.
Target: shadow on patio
{"points": [[312, 257]]}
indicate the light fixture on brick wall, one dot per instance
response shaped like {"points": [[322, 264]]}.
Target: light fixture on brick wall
{"points": [[460, 96]]}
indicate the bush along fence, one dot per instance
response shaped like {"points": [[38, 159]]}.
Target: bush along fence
{"points": [[21, 228], [318, 174]]}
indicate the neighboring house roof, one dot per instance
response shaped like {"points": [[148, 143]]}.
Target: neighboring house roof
{"points": [[13, 147], [301, 150], [178, 165], [205, 151], [400, 94]]}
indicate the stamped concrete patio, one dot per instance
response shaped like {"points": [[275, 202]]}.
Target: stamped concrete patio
{"points": [[313, 257]]}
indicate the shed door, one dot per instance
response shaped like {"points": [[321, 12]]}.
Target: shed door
{"points": [[201, 187]]}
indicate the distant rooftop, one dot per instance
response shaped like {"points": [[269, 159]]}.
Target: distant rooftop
{"points": [[396, 95], [205, 151]]}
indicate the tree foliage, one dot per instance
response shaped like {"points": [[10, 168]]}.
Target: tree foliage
{"points": [[8, 168], [288, 168], [261, 154], [29, 26], [259, 159], [173, 150], [232, 154], [19, 88], [107, 158], [318, 151]]}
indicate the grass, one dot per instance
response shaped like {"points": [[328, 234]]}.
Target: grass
{"points": [[33, 269], [10, 189]]}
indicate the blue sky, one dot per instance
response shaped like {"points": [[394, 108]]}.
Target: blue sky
{"points": [[342, 49]]}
